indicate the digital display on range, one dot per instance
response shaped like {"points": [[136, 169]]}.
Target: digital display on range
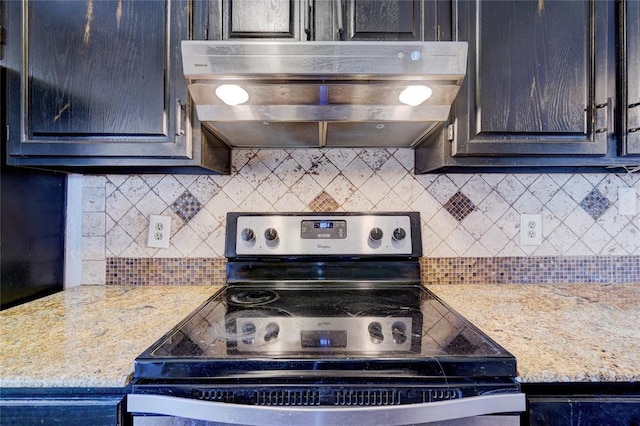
{"points": [[323, 229], [323, 225], [323, 338]]}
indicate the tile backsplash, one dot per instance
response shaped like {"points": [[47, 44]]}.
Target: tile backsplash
{"points": [[472, 216]]}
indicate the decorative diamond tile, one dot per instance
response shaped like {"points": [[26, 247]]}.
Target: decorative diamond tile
{"points": [[374, 158], [595, 203], [186, 206], [442, 188], [459, 206], [323, 203]]}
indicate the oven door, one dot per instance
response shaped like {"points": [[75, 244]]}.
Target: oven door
{"points": [[149, 409]]}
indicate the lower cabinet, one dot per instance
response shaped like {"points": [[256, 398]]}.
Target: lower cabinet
{"points": [[26, 407], [583, 404]]}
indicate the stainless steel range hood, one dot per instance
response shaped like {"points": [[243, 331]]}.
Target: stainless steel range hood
{"points": [[316, 94]]}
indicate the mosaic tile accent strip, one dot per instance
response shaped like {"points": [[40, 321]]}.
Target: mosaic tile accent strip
{"points": [[323, 203], [595, 204], [531, 270], [479, 270], [186, 206], [173, 271], [459, 206]]}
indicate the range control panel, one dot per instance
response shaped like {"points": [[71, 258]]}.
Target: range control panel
{"points": [[275, 335], [361, 234]]}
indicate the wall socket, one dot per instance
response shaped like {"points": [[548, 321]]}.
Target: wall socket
{"points": [[159, 231], [530, 229]]}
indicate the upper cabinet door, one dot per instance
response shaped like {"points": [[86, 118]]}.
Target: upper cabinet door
{"points": [[540, 78], [629, 124], [97, 79], [322, 20], [257, 19], [381, 20]]}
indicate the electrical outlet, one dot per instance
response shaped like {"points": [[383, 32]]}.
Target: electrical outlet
{"points": [[159, 231], [627, 201], [530, 230]]}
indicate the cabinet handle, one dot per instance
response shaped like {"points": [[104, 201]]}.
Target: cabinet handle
{"points": [[339, 20], [632, 106], [179, 128]]}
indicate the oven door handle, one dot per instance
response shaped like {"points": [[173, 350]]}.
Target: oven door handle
{"points": [[355, 415]]}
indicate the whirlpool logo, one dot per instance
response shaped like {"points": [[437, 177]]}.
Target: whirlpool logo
{"points": [[323, 246]]}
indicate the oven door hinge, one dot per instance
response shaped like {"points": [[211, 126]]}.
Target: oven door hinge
{"points": [[450, 132]]}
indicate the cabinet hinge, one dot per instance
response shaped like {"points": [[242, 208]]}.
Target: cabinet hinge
{"points": [[450, 132], [2, 40], [631, 128], [603, 120]]}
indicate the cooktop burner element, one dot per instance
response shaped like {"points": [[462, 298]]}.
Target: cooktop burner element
{"points": [[252, 298], [324, 309]]}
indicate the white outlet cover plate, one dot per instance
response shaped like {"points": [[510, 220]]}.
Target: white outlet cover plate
{"points": [[627, 205], [530, 229], [159, 231]]}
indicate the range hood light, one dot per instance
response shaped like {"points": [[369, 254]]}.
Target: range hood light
{"points": [[232, 94], [415, 95]]}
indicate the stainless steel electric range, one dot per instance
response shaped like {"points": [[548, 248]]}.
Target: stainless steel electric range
{"points": [[323, 320]]}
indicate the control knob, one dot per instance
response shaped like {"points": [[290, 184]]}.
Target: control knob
{"points": [[271, 332], [399, 234], [248, 235], [271, 235], [375, 234], [248, 333], [399, 332], [375, 332]]}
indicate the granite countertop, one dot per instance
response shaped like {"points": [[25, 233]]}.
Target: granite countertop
{"points": [[558, 333], [88, 336]]}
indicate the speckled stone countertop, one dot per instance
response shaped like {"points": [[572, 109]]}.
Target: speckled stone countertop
{"points": [[89, 336], [558, 333]]}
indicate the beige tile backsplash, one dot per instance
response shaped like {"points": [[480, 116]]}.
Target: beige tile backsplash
{"points": [[580, 211]]}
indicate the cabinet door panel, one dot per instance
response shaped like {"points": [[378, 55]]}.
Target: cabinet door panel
{"points": [[273, 19], [91, 78], [384, 20], [98, 78], [538, 78]]}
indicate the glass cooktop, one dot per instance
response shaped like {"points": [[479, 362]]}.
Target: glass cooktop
{"points": [[333, 322]]}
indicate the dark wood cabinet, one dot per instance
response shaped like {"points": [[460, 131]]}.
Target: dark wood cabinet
{"points": [[629, 77], [324, 20], [539, 78], [63, 406], [93, 84], [582, 404], [258, 19], [542, 88], [382, 20]]}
